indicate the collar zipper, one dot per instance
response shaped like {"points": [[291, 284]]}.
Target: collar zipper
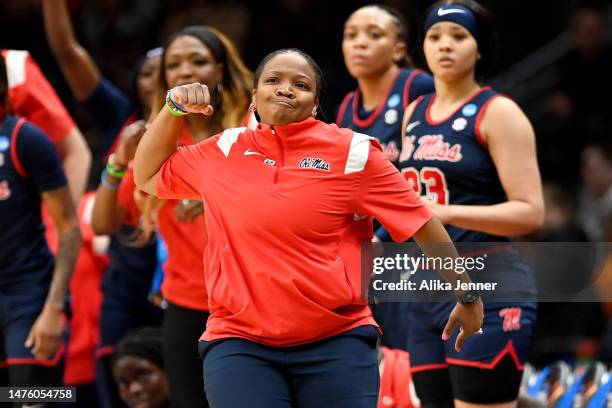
{"points": [[281, 162]]}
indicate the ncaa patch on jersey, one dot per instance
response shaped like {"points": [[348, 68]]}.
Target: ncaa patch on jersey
{"points": [[393, 101], [459, 124], [391, 116], [469, 110], [4, 143]]}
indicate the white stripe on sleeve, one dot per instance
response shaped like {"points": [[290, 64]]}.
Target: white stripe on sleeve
{"points": [[358, 153], [228, 138]]}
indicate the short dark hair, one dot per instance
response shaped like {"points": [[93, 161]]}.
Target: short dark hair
{"points": [[488, 38], [313, 64], [144, 342]]}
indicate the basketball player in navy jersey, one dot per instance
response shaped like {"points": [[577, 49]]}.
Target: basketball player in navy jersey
{"points": [[32, 286], [374, 48], [471, 153], [375, 54], [127, 279]]}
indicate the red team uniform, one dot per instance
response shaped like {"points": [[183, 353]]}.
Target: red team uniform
{"points": [[278, 290]]}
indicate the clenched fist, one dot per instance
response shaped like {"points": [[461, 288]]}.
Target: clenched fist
{"points": [[193, 98]]}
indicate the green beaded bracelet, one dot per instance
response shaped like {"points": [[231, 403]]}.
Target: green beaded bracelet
{"points": [[113, 170]]}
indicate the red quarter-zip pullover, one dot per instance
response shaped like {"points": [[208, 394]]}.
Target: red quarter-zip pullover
{"points": [[280, 267]]}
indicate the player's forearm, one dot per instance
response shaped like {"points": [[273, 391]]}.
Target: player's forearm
{"points": [[58, 27], [77, 173], [155, 147], [70, 240], [435, 243], [107, 214], [507, 219], [76, 160]]}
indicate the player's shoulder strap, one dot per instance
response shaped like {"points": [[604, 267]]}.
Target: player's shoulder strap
{"points": [[343, 106], [406, 92]]}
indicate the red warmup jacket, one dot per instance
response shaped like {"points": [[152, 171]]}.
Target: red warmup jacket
{"points": [[32, 97], [280, 268]]}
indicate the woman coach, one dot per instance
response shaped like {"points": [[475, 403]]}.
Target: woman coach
{"points": [[287, 326]]}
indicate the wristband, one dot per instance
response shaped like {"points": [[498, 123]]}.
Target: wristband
{"points": [[113, 170], [173, 107], [106, 183]]}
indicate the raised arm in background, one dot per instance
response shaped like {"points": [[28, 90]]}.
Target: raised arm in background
{"points": [[76, 64]]}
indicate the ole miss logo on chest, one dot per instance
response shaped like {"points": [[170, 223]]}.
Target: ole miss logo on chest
{"points": [[314, 163], [430, 147]]}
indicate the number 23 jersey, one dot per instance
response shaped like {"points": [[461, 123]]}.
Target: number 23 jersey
{"points": [[448, 161]]}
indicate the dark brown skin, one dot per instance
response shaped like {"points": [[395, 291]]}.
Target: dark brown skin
{"points": [[142, 384]]}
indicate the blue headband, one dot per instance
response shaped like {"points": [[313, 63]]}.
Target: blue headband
{"points": [[454, 13]]}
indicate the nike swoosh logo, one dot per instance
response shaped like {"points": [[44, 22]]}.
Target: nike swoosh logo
{"points": [[412, 125], [248, 152], [443, 12]]}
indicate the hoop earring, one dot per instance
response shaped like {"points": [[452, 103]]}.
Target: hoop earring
{"points": [[252, 107]]}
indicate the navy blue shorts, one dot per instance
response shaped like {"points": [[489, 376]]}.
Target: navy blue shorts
{"points": [[339, 372], [507, 330], [391, 317], [487, 370], [19, 309]]}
